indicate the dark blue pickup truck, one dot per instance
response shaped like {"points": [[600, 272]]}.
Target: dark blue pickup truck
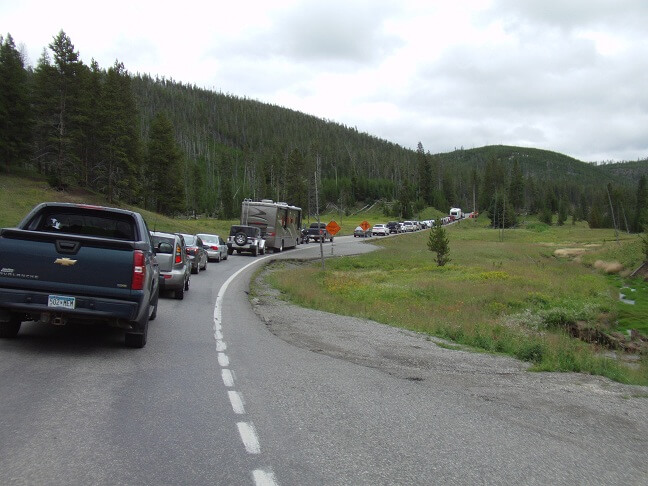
{"points": [[74, 262]]}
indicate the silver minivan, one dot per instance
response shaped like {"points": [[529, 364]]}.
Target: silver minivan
{"points": [[175, 268]]}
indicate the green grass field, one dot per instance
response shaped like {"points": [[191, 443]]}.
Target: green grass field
{"points": [[515, 293]]}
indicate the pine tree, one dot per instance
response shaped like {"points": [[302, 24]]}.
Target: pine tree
{"points": [[516, 187], [545, 216], [640, 218], [562, 212], [439, 244], [64, 162], [165, 187], [405, 200], [424, 182], [119, 171], [501, 212], [297, 180], [15, 112]]}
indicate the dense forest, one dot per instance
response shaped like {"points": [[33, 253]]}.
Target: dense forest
{"points": [[180, 149]]}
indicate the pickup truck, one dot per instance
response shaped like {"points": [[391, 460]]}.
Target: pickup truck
{"points": [[317, 231], [68, 262]]}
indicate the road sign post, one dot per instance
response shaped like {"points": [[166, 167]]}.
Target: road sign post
{"points": [[333, 229]]}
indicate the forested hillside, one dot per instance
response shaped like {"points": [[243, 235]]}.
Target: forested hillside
{"points": [[180, 149]]}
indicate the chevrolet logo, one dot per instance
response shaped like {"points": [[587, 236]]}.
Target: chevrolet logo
{"points": [[66, 262]]}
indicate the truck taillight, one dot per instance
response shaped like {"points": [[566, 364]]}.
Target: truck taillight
{"points": [[139, 270], [178, 254]]}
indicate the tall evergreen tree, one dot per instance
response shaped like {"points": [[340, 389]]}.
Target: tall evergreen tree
{"points": [[89, 104], [120, 164], [15, 112], [424, 182], [405, 200], [165, 186], [64, 163], [516, 187], [562, 211], [493, 182], [297, 180], [45, 107], [640, 216], [501, 212]]}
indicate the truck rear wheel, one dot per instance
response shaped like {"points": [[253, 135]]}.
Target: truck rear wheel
{"points": [[9, 329], [138, 339], [155, 306]]}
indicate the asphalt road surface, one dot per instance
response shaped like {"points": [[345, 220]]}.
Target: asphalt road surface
{"points": [[237, 393]]}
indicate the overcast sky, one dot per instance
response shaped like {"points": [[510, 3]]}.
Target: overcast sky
{"points": [[563, 75]]}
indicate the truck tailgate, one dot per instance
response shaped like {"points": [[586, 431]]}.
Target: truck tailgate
{"points": [[73, 264]]}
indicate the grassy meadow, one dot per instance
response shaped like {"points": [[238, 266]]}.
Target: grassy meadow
{"points": [[514, 292]]}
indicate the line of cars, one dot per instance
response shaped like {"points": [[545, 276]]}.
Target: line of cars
{"points": [[392, 227], [179, 255]]}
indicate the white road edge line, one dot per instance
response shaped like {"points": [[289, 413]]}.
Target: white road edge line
{"points": [[218, 315], [249, 437]]}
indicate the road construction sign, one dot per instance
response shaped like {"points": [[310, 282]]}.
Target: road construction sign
{"points": [[333, 228]]}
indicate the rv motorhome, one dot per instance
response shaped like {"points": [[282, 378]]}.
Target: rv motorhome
{"points": [[280, 223], [456, 213]]}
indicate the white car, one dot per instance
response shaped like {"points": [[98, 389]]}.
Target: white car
{"points": [[408, 226], [380, 229]]}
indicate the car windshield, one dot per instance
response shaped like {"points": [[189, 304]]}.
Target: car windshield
{"points": [[209, 238], [189, 240]]}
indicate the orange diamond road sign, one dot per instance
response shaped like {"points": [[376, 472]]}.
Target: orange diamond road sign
{"points": [[333, 228], [365, 225]]}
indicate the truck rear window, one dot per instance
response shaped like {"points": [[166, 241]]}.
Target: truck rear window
{"points": [[88, 224]]}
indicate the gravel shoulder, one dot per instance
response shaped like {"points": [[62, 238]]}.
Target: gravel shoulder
{"points": [[418, 357]]}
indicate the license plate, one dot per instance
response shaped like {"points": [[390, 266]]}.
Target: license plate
{"points": [[61, 301]]}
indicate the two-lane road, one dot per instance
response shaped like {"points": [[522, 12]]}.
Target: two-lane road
{"points": [[217, 398]]}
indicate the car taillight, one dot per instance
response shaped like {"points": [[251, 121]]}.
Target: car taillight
{"points": [[214, 247], [191, 251], [139, 270], [178, 254], [271, 233]]}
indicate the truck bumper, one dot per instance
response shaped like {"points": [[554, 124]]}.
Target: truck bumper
{"points": [[86, 308]]}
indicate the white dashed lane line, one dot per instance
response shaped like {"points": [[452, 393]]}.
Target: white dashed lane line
{"points": [[246, 430]]}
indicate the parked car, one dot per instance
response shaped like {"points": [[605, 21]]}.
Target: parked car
{"points": [[380, 229], [175, 267], [196, 252], [359, 232], [408, 226], [394, 227], [245, 238], [215, 246]]}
